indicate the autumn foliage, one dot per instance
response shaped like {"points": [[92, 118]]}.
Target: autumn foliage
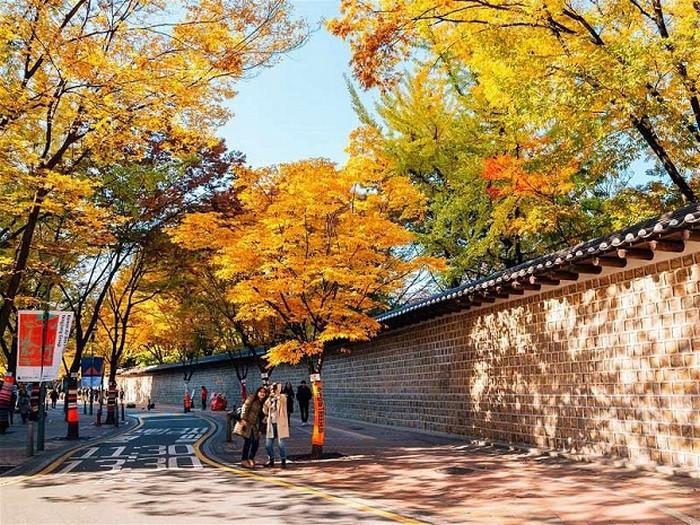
{"points": [[315, 249], [596, 71], [87, 87]]}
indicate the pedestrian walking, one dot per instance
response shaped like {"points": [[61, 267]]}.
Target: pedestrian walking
{"points": [[205, 396], [54, 398], [13, 402], [187, 401], [24, 404], [303, 398], [275, 409], [248, 426], [288, 391]]}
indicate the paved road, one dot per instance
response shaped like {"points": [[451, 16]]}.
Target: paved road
{"points": [[155, 473]]}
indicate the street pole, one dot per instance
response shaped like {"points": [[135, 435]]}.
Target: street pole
{"points": [[92, 357], [41, 430], [30, 438]]}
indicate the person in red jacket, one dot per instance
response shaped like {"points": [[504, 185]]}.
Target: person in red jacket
{"points": [[205, 396]]}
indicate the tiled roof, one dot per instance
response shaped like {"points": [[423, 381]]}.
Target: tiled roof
{"points": [[658, 228], [202, 361]]}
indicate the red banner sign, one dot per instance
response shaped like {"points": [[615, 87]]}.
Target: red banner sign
{"points": [[31, 335]]}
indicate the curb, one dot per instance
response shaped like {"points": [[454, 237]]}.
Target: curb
{"points": [[38, 463]]}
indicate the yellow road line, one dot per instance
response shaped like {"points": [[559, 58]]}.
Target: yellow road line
{"points": [[304, 489], [55, 463]]}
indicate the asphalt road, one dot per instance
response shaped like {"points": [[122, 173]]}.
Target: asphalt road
{"points": [[155, 473]]}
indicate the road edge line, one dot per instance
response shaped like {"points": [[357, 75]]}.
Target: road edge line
{"points": [[298, 487]]}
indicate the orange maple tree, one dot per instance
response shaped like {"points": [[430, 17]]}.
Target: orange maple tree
{"points": [[316, 248]]}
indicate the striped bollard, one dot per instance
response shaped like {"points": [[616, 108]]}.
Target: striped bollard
{"points": [[6, 402], [111, 402], [34, 403], [73, 414]]}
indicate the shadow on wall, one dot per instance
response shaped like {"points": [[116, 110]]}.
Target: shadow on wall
{"points": [[612, 370], [610, 366]]}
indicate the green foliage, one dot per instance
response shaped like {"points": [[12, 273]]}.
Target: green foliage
{"points": [[497, 193]]}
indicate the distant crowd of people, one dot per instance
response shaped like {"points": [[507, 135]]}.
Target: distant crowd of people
{"points": [[20, 400]]}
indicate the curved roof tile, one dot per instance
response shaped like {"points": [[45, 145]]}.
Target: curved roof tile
{"points": [[664, 224]]}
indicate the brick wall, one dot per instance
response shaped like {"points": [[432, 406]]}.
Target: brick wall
{"points": [[610, 366]]}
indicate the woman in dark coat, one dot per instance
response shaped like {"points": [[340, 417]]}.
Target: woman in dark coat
{"points": [[248, 427], [24, 405]]}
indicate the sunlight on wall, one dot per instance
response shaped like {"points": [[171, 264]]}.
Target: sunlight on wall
{"points": [[611, 369], [137, 389]]}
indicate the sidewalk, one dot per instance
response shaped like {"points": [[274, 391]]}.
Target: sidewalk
{"points": [[13, 443], [446, 480]]}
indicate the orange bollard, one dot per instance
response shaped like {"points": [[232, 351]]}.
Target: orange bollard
{"points": [[73, 415]]}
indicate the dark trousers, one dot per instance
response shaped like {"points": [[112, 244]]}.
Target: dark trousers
{"points": [[304, 409], [250, 448], [24, 417], [204, 404]]}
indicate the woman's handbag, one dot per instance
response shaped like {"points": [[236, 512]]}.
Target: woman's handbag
{"points": [[240, 428]]}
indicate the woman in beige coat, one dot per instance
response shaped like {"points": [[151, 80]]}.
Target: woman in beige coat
{"points": [[275, 408]]}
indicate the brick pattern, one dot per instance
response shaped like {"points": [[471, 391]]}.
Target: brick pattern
{"points": [[610, 366]]}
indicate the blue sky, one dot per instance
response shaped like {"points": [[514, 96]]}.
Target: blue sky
{"points": [[300, 108]]}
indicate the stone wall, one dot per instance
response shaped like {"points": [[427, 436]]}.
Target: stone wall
{"points": [[168, 386], [610, 366]]}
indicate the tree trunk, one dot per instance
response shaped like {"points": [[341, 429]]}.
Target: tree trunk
{"points": [[647, 132], [319, 431], [241, 375], [20, 264]]}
